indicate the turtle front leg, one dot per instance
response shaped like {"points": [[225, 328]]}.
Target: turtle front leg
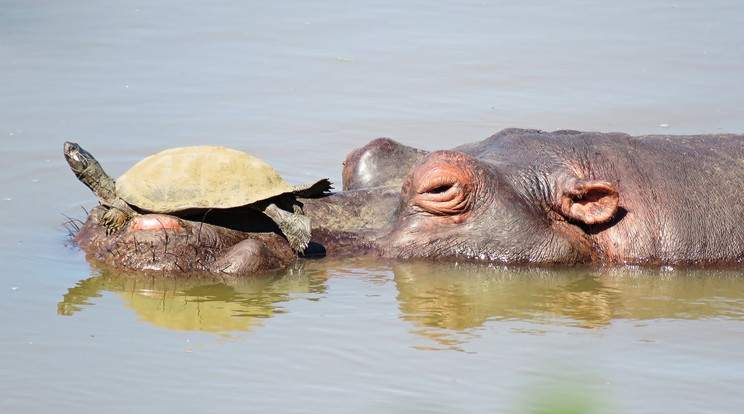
{"points": [[295, 225], [117, 216]]}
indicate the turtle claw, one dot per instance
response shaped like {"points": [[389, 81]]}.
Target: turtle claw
{"points": [[114, 219], [111, 229], [298, 238], [294, 225], [296, 229]]}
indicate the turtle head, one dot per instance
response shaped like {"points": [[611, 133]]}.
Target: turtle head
{"points": [[90, 172], [78, 158]]}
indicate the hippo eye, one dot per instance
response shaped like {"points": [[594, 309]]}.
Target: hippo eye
{"points": [[440, 189], [442, 184], [443, 196], [437, 185]]}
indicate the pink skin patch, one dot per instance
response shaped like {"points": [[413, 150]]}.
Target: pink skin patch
{"points": [[155, 222]]}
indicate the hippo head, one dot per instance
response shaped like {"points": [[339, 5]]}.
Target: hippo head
{"points": [[456, 206]]}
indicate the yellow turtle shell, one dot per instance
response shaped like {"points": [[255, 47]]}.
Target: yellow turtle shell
{"points": [[200, 177]]}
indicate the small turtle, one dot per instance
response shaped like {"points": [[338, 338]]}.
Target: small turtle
{"points": [[187, 180]]}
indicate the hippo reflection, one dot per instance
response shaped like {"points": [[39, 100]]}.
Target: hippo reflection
{"points": [[445, 302], [532, 197]]}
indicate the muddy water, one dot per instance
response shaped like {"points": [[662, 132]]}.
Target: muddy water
{"points": [[299, 85]]}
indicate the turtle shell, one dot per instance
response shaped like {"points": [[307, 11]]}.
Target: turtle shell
{"points": [[200, 177]]}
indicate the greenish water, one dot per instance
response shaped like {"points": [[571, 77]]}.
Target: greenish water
{"points": [[299, 85]]}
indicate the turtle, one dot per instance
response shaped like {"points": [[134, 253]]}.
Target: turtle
{"points": [[186, 180]]}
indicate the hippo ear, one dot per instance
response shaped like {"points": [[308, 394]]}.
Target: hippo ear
{"points": [[588, 201]]}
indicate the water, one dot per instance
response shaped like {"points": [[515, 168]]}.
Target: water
{"points": [[299, 85]]}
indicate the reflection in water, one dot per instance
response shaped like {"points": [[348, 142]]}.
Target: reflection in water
{"points": [[196, 303], [445, 300]]}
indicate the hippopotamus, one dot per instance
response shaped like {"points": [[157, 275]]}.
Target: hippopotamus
{"points": [[528, 197], [166, 243]]}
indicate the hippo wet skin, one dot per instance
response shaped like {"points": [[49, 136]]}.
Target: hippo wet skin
{"points": [[166, 243], [532, 197], [518, 197]]}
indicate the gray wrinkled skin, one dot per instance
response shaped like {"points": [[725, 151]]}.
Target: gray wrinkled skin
{"points": [[658, 200]]}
